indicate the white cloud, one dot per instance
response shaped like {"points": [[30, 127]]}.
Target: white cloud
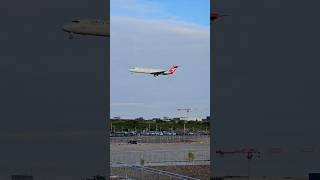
{"points": [[158, 40], [159, 26]]}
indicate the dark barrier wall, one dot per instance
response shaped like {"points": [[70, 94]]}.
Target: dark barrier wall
{"points": [[53, 95], [212, 86], [314, 176], [265, 62]]}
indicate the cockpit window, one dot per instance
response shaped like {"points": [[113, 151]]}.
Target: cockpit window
{"points": [[75, 21]]}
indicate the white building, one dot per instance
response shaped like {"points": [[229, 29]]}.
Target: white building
{"points": [[165, 118], [191, 119]]}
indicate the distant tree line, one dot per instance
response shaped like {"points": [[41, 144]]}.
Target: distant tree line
{"points": [[158, 125]]}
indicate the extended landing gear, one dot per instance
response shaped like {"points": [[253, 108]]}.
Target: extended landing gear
{"points": [[155, 75]]}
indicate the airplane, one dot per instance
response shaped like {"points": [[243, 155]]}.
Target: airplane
{"points": [[93, 27], [154, 72]]}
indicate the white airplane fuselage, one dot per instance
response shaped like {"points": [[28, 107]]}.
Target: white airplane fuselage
{"points": [[145, 70], [153, 71], [88, 27]]}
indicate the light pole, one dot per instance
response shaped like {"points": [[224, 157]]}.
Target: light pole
{"points": [[184, 123]]}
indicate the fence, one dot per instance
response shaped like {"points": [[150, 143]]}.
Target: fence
{"points": [[162, 157], [160, 139], [146, 173]]}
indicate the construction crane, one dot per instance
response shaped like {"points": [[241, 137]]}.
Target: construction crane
{"points": [[184, 124], [184, 109], [250, 153]]}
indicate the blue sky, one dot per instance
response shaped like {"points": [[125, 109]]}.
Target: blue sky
{"points": [[182, 10], [159, 34]]}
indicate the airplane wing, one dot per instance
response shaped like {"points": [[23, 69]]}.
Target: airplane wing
{"points": [[153, 71], [157, 72]]}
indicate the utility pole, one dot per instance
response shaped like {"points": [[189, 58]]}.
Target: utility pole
{"points": [[184, 123], [184, 131]]}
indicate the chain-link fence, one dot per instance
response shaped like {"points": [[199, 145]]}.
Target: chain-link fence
{"points": [[126, 171], [161, 157], [160, 139]]}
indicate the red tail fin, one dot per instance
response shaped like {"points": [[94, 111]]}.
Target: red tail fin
{"points": [[172, 69]]}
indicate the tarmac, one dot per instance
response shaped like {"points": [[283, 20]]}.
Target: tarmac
{"points": [[158, 154]]}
